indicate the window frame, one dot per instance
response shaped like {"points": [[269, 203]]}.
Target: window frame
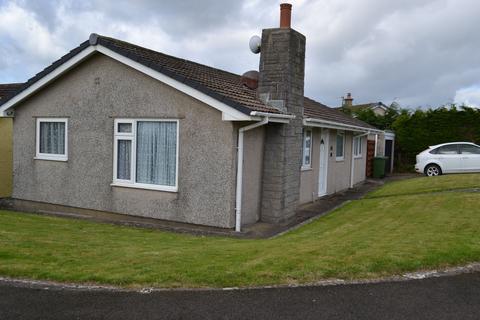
{"points": [[342, 157], [132, 136], [50, 156], [307, 166], [358, 150]]}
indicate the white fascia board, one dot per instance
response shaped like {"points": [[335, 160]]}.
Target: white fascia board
{"points": [[273, 117], [278, 120], [228, 113], [311, 122], [47, 79]]}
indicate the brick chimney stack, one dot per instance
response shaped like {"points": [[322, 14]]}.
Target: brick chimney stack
{"points": [[281, 85], [348, 100]]}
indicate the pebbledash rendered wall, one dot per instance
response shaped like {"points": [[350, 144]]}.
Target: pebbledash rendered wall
{"points": [[338, 172], [92, 96]]}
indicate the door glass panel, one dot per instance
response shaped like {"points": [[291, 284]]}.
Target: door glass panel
{"points": [[469, 149]]}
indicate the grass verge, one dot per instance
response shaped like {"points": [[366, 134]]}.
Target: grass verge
{"points": [[364, 239]]}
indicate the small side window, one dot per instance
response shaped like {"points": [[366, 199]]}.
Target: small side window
{"points": [[447, 150], [124, 128], [307, 149], [357, 147], [340, 146]]}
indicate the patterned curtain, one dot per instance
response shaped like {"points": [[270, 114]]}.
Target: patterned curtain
{"points": [[156, 152], [52, 137]]}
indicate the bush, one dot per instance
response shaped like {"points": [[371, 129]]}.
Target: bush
{"points": [[416, 130]]}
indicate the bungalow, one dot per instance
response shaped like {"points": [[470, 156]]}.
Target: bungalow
{"points": [[116, 127]]}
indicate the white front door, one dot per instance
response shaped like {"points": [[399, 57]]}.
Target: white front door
{"points": [[323, 163]]}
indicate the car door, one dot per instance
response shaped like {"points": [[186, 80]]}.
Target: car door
{"points": [[449, 158], [470, 157]]}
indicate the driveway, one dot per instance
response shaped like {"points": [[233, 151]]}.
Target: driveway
{"points": [[452, 297]]}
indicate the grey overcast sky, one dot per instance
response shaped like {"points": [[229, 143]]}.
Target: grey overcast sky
{"points": [[418, 52]]}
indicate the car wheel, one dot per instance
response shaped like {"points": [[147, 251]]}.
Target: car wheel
{"points": [[433, 170]]}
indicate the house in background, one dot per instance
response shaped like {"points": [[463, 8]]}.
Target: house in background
{"points": [[379, 108], [6, 91], [384, 143], [115, 127]]}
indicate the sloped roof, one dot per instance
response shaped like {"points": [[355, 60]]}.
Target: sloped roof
{"points": [[221, 85], [317, 110], [225, 84], [8, 90], [357, 107]]}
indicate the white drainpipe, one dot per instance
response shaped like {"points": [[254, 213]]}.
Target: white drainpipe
{"points": [[238, 205], [376, 143], [352, 167]]}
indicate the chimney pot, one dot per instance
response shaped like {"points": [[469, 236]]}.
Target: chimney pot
{"points": [[285, 15]]}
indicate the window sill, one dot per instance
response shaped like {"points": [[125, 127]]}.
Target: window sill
{"points": [[306, 168], [144, 187], [357, 157], [60, 159], [340, 159]]}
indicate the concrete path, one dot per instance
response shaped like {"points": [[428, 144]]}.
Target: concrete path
{"points": [[453, 297]]}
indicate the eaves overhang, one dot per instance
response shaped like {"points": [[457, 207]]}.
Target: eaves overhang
{"points": [[315, 122]]}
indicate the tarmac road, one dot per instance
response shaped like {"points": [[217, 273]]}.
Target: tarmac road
{"points": [[449, 297]]}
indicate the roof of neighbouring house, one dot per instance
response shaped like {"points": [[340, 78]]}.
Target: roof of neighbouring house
{"points": [[371, 105], [8, 90], [317, 110], [221, 85]]}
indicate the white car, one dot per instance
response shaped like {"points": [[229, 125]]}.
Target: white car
{"points": [[453, 157]]}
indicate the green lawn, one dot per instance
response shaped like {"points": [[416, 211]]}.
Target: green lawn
{"points": [[423, 185], [366, 238]]}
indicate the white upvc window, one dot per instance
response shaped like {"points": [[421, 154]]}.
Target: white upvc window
{"points": [[146, 154], [52, 139], [357, 147], [340, 146], [307, 149]]}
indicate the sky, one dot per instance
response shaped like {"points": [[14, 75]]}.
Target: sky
{"points": [[418, 53]]}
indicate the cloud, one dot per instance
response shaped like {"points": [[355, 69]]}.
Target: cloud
{"points": [[419, 52], [468, 96]]}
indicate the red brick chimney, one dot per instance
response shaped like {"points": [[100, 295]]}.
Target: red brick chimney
{"points": [[285, 15]]}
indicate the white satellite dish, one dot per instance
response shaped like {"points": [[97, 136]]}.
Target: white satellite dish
{"points": [[255, 44]]}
